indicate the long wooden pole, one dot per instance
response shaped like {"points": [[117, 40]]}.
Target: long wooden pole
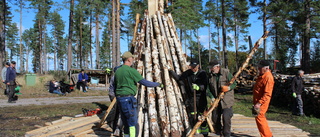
{"points": [[217, 100], [107, 112]]}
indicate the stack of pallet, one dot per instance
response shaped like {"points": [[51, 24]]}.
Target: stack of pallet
{"points": [[162, 111], [69, 126]]}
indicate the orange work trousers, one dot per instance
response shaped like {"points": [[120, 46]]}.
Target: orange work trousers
{"points": [[262, 123]]}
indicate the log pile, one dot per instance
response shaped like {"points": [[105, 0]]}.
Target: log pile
{"points": [[162, 112], [282, 93], [157, 50], [247, 77]]}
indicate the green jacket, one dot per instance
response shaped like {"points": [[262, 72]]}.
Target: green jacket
{"points": [[218, 80]]}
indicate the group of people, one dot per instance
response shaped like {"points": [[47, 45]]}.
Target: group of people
{"points": [[196, 83], [8, 75]]}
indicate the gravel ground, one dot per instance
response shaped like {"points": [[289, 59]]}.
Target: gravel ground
{"points": [[53, 100]]}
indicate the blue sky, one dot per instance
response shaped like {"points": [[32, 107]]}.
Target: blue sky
{"points": [[255, 31]]}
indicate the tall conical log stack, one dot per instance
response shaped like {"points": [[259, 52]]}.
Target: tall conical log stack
{"points": [[157, 49]]}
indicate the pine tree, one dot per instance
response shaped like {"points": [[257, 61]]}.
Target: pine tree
{"points": [[57, 32], [42, 7]]}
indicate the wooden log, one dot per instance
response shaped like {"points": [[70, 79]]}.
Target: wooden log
{"points": [[174, 35], [146, 132], [172, 104], [133, 43], [170, 64], [152, 112], [103, 119], [141, 100], [163, 116]]}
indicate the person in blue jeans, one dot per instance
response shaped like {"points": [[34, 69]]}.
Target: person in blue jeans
{"points": [[126, 79], [83, 79], [54, 88]]}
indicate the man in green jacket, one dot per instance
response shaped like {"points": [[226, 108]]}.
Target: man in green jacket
{"points": [[218, 79]]}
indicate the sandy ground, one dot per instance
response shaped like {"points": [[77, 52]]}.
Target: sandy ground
{"points": [[53, 100]]}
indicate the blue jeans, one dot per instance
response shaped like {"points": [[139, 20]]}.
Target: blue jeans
{"points": [[129, 114], [300, 104], [57, 91]]}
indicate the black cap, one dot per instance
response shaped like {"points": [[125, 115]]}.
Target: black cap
{"points": [[82, 69], [13, 62], [213, 63], [8, 63], [194, 63], [263, 63]]}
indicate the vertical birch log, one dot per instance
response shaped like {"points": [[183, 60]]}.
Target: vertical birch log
{"points": [[170, 64], [172, 48], [140, 68], [141, 100], [163, 113], [175, 85], [169, 89], [146, 132], [133, 44], [153, 119], [164, 123], [181, 56]]}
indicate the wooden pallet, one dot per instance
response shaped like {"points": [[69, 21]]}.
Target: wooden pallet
{"points": [[246, 126], [86, 127], [75, 127]]}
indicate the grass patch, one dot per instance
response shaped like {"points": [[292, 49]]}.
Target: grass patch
{"points": [[310, 124], [16, 121]]}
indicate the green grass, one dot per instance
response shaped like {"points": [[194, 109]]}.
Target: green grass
{"points": [[309, 124], [16, 121]]}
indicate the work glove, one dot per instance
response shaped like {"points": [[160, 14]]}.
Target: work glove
{"points": [[256, 110], [294, 94], [195, 87], [161, 85], [225, 88]]}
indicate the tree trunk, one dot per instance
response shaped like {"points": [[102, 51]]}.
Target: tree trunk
{"points": [[306, 39], [224, 35], [264, 29], [209, 38], [97, 43], [70, 35], [2, 33], [40, 47], [90, 40], [118, 33], [20, 45], [80, 43]]}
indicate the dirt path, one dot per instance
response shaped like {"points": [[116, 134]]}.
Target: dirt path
{"points": [[53, 100]]}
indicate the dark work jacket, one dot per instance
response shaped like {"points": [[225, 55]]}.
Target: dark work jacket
{"points": [[297, 85], [11, 75], [215, 87], [188, 77]]}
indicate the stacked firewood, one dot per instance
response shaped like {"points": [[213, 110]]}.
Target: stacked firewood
{"points": [[282, 92], [247, 76], [157, 48]]}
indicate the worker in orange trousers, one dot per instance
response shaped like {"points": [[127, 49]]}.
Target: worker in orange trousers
{"points": [[262, 93]]}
